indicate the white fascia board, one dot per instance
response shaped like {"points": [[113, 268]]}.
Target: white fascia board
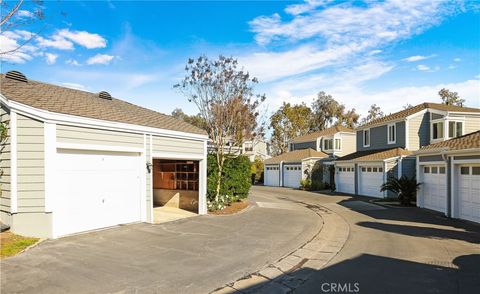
{"points": [[462, 113], [59, 118]]}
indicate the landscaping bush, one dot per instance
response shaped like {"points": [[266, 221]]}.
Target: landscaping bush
{"points": [[236, 181], [405, 187], [257, 171]]}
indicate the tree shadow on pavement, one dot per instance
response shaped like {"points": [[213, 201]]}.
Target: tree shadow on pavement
{"points": [[368, 273], [425, 232]]}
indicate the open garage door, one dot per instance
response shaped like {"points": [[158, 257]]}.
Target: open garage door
{"points": [[469, 193], [370, 181], [95, 190], [292, 175], [434, 187], [345, 179]]}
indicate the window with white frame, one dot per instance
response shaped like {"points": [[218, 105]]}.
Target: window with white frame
{"points": [[391, 133], [328, 144], [455, 129], [366, 138], [338, 144], [437, 130]]}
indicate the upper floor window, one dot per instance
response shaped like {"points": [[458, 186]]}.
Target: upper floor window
{"points": [[366, 138], [328, 144], [455, 129], [391, 133], [437, 130], [338, 144]]}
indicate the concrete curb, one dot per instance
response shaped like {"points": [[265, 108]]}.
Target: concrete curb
{"points": [[294, 269]]}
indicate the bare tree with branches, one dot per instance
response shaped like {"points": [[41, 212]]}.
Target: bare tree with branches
{"points": [[224, 96]]}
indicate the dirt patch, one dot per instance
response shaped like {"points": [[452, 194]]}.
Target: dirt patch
{"points": [[11, 244], [232, 208]]}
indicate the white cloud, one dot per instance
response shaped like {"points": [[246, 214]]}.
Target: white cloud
{"points": [[56, 42], [25, 14], [452, 67], [457, 60], [296, 9], [72, 62], [373, 22], [100, 59], [74, 86], [50, 58], [417, 58], [83, 38], [12, 51], [423, 67]]}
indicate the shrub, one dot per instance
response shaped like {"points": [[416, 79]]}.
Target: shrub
{"points": [[257, 171], [305, 184], [236, 181], [405, 187]]}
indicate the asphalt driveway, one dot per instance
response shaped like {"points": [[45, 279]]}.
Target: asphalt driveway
{"points": [[195, 255], [389, 250]]}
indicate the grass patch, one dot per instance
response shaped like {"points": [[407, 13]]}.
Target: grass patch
{"points": [[11, 244]]}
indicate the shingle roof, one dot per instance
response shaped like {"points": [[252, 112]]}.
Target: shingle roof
{"points": [[468, 141], [407, 112], [327, 132], [296, 156], [375, 155], [85, 104]]}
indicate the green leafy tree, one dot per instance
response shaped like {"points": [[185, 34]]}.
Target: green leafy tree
{"points": [[405, 187], [450, 98], [288, 122], [257, 170], [325, 110], [373, 113], [347, 118], [224, 95], [196, 120]]}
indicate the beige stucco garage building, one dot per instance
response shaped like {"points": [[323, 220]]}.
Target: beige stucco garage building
{"points": [[76, 161]]}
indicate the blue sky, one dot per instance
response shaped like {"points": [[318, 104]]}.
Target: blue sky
{"points": [[389, 53]]}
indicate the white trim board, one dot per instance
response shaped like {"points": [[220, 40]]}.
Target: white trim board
{"points": [[13, 163]]}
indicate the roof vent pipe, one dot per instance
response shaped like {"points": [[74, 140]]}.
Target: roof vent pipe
{"points": [[105, 95]]}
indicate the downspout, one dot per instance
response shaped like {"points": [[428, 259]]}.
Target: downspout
{"points": [[280, 174]]}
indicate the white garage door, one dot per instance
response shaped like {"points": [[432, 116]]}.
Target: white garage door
{"points": [[345, 180], [272, 176], [370, 180], [95, 190], [469, 193], [434, 186], [292, 175]]}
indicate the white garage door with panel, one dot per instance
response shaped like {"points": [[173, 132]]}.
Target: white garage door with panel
{"points": [[370, 180], [272, 176], [96, 190], [292, 175], [469, 193], [434, 187], [345, 179]]}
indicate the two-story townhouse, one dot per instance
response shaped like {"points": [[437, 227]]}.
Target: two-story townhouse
{"points": [[253, 149], [305, 151], [385, 145]]}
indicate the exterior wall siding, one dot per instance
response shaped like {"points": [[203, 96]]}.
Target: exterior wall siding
{"points": [[419, 132], [89, 136], [305, 145], [430, 158], [378, 138], [348, 145], [472, 124], [409, 166], [5, 164], [176, 145], [30, 165]]}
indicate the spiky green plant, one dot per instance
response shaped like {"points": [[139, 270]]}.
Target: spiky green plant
{"points": [[405, 188]]}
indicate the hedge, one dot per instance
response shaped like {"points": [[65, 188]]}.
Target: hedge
{"points": [[236, 180]]}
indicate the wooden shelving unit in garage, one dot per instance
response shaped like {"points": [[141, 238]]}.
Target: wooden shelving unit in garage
{"points": [[175, 175]]}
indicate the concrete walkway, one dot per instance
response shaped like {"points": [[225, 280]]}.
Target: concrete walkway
{"points": [[194, 255]]}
